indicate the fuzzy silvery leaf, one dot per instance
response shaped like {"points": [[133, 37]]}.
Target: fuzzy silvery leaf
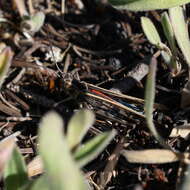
{"points": [[151, 32], [78, 126], [149, 101], [169, 33], [168, 30], [61, 169], [144, 5], [150, 156], [15, 173], [181, 31], [91, 149], [40, 183]]}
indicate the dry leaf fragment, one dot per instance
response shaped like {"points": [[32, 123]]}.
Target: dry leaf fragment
{"points": [[182, 131], [6, 147], [35, 167], [150, 156]]}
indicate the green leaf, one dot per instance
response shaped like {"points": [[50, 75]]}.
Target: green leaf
{"points": [[6, 148], [39, 184], [181, 31], [90, 150], [149, 101], [168, 30], [5, 62], [61, 169], [34, 23], [144, 5], [151, 32], [169, 33], [78, 126], [150, 156], [15, 173], [38, 20], [154, 38]]}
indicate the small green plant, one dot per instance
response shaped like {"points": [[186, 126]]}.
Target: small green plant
{"points": [[144, 5], [61, 156], [169, 54], [175, 29]]}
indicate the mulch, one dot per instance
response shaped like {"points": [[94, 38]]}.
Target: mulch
{"points": [[82, 59]]}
